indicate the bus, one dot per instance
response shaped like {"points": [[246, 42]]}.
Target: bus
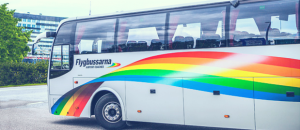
{"points": [[226, 64]]}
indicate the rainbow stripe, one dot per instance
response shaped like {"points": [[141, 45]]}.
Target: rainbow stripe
{"points": [[73, 102], [114, 65], [234, 74]]}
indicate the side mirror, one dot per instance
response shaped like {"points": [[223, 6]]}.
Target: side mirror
{"points": [[33, 49], [44, 35], [38, 38]]}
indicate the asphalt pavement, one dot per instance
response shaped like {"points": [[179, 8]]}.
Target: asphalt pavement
{"points": [[26, 108]]}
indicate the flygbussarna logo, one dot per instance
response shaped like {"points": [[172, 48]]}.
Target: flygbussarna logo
{"points": [[100, 63]]}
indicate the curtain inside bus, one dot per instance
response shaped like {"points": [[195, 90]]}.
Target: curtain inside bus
{"points": [[297, 20], [78, 37], [233, 18], [172, 28]]}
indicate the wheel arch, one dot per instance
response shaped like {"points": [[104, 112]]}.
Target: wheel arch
{"points": [[101, 92]]}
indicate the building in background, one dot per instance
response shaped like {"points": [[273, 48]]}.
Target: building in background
{"points": [[39, 23]]}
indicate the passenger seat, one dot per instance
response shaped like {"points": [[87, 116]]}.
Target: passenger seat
{"points": [[141, 46], [189, 41], [155, 44], [179, 43], [131, 46]]}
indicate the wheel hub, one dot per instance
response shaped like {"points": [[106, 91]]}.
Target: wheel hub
{"points": [[112, 112]]}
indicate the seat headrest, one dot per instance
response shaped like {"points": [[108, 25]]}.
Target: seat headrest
{"points": [[131, 42], [142, 42], [156, 41], [187, 39], [210, 36], [179, 39]]}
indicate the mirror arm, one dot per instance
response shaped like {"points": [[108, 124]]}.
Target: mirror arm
{"points": [[267, 33]]}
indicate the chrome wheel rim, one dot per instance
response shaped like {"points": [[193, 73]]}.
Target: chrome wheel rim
{"points": [[112, 112]]}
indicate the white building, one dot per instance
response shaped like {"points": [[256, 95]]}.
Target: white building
{"points": [[39, 23]]}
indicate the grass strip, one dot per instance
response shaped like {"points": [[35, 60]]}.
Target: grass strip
{"points": [[35, 84]]}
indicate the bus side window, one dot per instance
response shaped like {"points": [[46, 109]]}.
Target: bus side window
{"points": [[95, 37], [264, 23], [56, 58], [65, 57], [201, 28], [64, 35], [60, 57], [141, 33]]}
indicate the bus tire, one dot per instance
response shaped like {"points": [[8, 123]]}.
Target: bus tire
{"points": [[108, 112]]}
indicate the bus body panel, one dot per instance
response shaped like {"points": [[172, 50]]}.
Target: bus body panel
{"points": [[240, 56], [163, 105], [115, 87], [277, 115], [61, 85], [52, 100], [78, 81], [252, 74], [206, 109], [86, 111]]}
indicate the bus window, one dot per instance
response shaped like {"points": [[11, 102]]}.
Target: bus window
{"points": [[56, 58], [140, 33], [61, 61], [65, 57], [95, 37], [264, 23], [64, 35], [202, 28], [60, 58]]}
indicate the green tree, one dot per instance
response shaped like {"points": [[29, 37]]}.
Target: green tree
{"points": [[13, 42]]}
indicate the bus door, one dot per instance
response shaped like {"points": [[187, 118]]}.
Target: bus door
{"points": [[59, 88], [60, 75]]}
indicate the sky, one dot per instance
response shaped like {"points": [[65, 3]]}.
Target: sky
{"points": [[73, 8]]}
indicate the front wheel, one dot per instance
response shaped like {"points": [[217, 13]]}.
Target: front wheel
{"points": [[108, 112]]}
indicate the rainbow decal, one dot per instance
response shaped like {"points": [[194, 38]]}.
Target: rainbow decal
{"points": [[73, 102], [114, 65], [234, 74]]}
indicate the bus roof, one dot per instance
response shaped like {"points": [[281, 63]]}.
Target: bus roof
{"points": [[157, 8], [205, 2]]}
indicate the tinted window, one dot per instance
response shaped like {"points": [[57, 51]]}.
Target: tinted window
{"points": [[95, 37], [65, 57], [202, 28], [64, 35], [264, 23], [141, 33], [60, 58], [56, 58]]}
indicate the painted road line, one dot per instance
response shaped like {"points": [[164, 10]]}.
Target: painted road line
{"points": [[34, 103]]}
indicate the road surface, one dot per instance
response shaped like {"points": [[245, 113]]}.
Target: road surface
{"points": [[26, 108]]}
